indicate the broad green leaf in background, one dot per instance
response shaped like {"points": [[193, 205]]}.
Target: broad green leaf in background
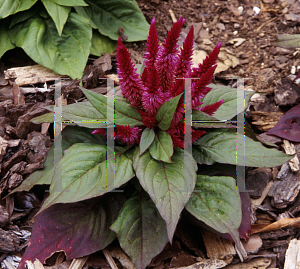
{"points": [[162, 147], [109, 15], [78, 229], [216, 202], [24, 15], [70, 3], [9, 7], [141, 230], [5, 43], [102, 44], [147, 138], [288, 41], [82, 174], [228, 109], [169, 184], [166, 112], [221, 147], [70, 136], [124, 113], [66, 54], [58, 13]]}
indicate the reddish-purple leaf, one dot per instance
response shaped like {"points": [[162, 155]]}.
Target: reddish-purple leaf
{"points": [[245, 227], [288, 127], [78, 229]]}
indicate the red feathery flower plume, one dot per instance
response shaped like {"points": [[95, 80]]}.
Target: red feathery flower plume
{"points": [[151, 46], [128, 135], [167, 56], [212, 108], [161, 80], [131, 84]]}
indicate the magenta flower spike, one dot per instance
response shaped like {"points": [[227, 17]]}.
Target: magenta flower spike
{"points": [[152, 96], [212, 108], [151, 46], [183, 68], [128, 135], [199, 89], [167, 56], [131, 84], [209, 61]]}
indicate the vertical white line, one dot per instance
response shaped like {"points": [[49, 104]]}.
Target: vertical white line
{"points": [[187, 129], [110, 154], [57, 135], [240, 142]]}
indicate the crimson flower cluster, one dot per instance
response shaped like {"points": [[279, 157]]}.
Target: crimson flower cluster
{"points": [[162, 80]]}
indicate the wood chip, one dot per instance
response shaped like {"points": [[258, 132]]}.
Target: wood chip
{"points": [[292, 256], [30, 74], [109, 259], [264, 121], [290, 149], [258, 263], [78, 263], [218, 248], [119, 254], [207, 264]]}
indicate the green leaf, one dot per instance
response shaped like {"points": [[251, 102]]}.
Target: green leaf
{"points": [[162, 147], [66, 54], [102, 44], [24, 15], [82, 174], [78, 229], [228, 109], [166, 112], [288, 41], [70, 136], [83, 114], [216, 202], [146, 139], [70, 3], [9, 7], [207, 121], [48, 117], [108, 16], [221, 147], [200, 156], [141, 230], [124, 113], [5, 43], [169, 184], [58, 13]]}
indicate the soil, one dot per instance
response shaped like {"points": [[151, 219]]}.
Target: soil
{"points": [[247, 30]]}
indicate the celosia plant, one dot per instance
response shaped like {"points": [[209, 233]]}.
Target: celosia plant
{"points": [[85, 211], [161, 81]]}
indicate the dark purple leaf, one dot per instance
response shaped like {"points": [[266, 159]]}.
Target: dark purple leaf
{"points": [[288, 127], [78, 229]]}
